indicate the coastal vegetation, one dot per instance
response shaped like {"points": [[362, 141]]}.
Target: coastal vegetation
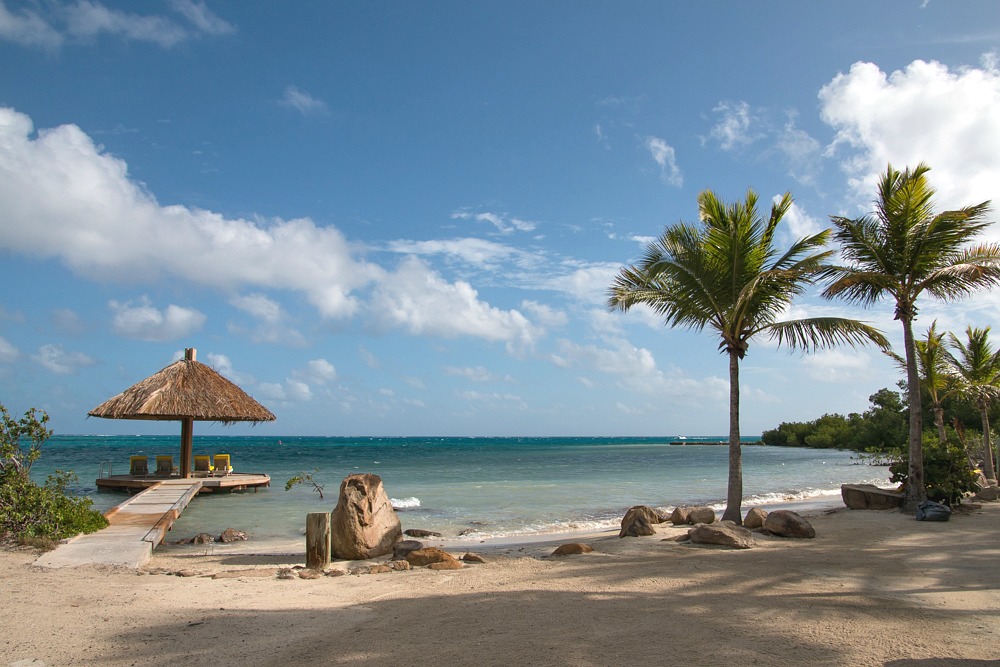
{"points": [[28, 511], [727, 273], [899, 252]]}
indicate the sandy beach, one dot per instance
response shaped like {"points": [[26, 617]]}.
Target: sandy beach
{"points": [[873, 588]]}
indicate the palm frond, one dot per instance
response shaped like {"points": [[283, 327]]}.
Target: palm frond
{"points": [[825, 332]]}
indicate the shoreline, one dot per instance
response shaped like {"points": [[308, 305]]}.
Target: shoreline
{"points": [[872, 589]]}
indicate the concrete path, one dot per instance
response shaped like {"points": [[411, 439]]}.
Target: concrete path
{"points": [[137, 526]]}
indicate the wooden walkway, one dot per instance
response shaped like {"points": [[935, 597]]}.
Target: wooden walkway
{"points": [[137, 525]]}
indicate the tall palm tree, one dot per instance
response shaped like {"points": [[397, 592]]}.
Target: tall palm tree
{"points": [[726, 273], [977, 368], [900, 251]]}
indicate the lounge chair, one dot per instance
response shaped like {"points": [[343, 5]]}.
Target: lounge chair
{"points": [[164, 466], [203, 465], [222, 465], [138, 466]]}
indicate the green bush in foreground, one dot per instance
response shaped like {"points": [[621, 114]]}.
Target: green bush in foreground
{"points": [[29, 510]]}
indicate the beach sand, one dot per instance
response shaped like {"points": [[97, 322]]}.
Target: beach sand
{"points": [[873, 588]]}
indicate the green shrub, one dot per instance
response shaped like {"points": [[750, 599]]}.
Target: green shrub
{"points": [[29, 510], [947, 473]]}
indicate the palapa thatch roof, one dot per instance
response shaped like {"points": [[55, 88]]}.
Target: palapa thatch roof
{"points": [[186, 389]]}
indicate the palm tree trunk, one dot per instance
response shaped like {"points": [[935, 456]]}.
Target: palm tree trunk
{"points": [[915, 489], [939, 422], [734, 496], [988, 470]]}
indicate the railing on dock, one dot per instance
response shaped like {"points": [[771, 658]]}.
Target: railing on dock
{"points": [[105, 465]]}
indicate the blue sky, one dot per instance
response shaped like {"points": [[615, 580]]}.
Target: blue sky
{"points": [[402, 218]]}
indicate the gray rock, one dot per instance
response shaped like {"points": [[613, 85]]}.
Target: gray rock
{"points": [[400, 549], [232, 535], [420, 532]]}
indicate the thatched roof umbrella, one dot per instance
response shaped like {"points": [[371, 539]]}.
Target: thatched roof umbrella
{"points": [[186, 390]]}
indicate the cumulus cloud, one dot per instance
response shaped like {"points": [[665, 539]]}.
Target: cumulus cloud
{"points": [[589, 284], [271, 326], [480, 253], [84, 20], [800, 224], [471, 373], [141, 320], [663, 154], [419, 300], [61, 361], [545, 315], [924, 112], [317, 371], [303, 102], [837, 365], [64, 198]]}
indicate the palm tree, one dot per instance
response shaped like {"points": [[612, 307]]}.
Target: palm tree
{"points": [[935, 374], [902, 250], [726, 273], [977, 368]]}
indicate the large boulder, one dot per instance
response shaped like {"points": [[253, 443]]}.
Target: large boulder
{"points": [[755, 518], [572, 549], [786, 523], [870, 497], [363, 525], [679, 516], [431, 556], [724, 534]]}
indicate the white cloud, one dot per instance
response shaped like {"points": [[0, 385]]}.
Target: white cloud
{"points": [[663, 154], [68, 321], [733, 128], [589, 284], [302, 102], [143, 321], [838, 365], [799, 152], [504, 223], [63, 197], [317, 371], [471, 373], [543, 314], [271, 327], [417, 299], [800, 224], [480, 253], [8, 352], [88, 19], [202, 18], [27, 28], [60, 361], [924, 112]]}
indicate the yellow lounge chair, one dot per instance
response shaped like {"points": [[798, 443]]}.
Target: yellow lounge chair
{"points": [[138, 466], [203, 465], [164, 466], [222, 465]]}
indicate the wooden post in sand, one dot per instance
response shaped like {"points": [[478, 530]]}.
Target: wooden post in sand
{"points": [[317, 540]]}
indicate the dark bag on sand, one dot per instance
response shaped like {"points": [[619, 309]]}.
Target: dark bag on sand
{"points": [[932, 511]]}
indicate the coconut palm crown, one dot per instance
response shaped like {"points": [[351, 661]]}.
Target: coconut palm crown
{"points": [[976, 368], [726, 273], [902, 250]]}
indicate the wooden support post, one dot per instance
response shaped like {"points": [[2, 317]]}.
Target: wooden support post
{"points": [[317, 540]]}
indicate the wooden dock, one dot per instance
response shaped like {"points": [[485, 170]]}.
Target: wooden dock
{"points": [[137, 525]]}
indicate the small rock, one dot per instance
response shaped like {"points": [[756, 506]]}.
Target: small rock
{"points": [[400, 549], [467, 531], [755, 518], [287, 573], [232, 535], [679, 516], [310, 574], [335, 572], [446, 565], [419, 532], [473, 558], [701, 514], [572, 549], [400, 565], [187, 573], [202, 538], [429, 555]]}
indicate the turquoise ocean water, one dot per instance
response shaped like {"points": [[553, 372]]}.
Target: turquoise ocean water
{"points": [[497, 486]]}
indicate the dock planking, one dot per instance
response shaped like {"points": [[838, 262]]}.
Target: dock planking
{"points": [[136, 527]]}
